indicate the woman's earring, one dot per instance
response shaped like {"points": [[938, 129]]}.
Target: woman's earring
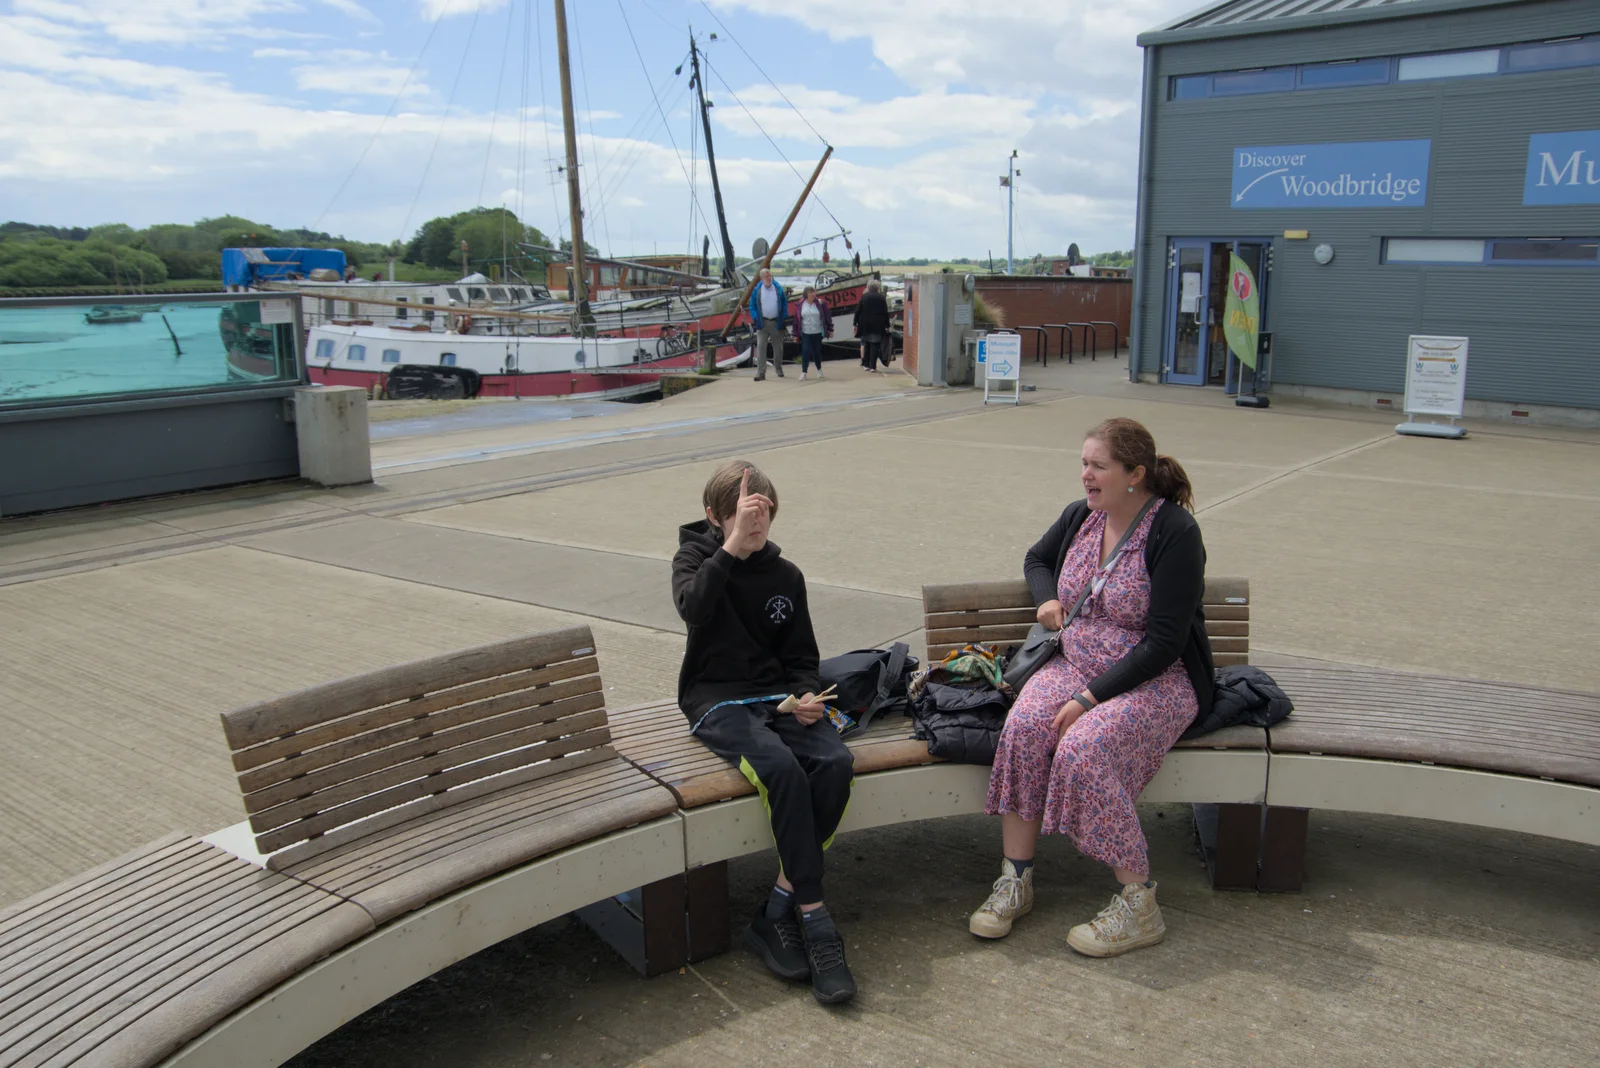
{"points": [[1130, 489]]}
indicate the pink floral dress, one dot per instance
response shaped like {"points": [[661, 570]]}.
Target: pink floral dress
{"points": [[1086, 785]]}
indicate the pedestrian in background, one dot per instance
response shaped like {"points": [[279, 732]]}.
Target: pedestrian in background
{"points": [[872, 326], [814, 322], [769, 312]]}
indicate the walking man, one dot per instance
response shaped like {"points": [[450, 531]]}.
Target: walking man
{"points": [[769, 312]]}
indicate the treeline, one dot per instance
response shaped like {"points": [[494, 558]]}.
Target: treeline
{"points": [[35, 255]]}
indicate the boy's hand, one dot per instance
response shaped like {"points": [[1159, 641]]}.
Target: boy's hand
{"points": [[809, 710], [747, 528]]}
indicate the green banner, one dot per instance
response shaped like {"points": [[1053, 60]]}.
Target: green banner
{"points": [[1241, 320]]}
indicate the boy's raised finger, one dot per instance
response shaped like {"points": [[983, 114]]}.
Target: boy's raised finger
{"points": [[744, 484]]}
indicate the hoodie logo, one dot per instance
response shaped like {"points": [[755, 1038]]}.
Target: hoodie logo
{"points": [[779, 609]]}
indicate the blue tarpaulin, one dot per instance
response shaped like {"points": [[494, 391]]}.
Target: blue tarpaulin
{"points": [[244, 266]]}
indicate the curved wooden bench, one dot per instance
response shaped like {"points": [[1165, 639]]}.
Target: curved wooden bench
{"points": [[1491, 754], [399, 821]]}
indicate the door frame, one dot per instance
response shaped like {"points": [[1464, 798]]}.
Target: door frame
{"points": [[1170, 326]]}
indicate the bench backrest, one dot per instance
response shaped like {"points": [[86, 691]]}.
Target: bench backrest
{"points": [[1000, 613], [339, 761]]}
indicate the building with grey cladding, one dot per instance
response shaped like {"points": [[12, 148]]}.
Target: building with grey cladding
{"points": [[1444, 153]]}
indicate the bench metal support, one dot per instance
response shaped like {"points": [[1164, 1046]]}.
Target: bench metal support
{"points": [[661, 926], [1253, 847]]}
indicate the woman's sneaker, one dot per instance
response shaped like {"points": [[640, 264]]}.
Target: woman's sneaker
{"points": [[780, 946], [1011, 899], [1132, 921]]}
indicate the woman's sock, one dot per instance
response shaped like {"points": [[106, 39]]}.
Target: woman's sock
{"points": [[1020, 866]]}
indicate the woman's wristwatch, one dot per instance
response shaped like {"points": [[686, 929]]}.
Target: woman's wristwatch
{"points": [[1086, 699]]}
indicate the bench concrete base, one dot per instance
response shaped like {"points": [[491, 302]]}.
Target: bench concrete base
{"points": [[327, 995]]}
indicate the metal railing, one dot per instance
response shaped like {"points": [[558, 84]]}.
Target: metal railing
{"points": [[1041, 344]]}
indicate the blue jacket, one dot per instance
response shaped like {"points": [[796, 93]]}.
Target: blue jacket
{"points": [[755, 306]]}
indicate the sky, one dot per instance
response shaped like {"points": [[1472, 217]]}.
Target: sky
{"points": [[367, 117]]}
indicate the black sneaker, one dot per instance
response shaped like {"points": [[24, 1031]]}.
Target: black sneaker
{"points": [[779, 944], [831, 981]]}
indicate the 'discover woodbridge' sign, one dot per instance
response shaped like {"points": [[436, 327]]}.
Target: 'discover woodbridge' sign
{"points": [[1563, 168], [1351, 174]]}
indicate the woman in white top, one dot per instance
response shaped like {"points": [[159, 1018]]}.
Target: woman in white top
{"points": [[814, 322]]}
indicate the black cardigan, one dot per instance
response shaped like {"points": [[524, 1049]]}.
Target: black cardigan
{"points": [[1175, 558]]}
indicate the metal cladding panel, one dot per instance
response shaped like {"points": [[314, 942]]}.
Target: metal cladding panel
{"points": [[1344, 325], [1536, 20]]}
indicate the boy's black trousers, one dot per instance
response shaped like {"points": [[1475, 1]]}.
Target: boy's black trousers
{"points": [[802, 773]]}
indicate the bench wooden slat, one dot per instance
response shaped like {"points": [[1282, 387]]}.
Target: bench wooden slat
{"points": [[1025, 616], [266, 720], [419, 860], [976, 596], [327, 743], [1223, 660], [1215, 613], [415, 796], [1007, 634], [112, 957], [427, 756]]}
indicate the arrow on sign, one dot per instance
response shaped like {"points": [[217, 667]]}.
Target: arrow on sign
{"points": [[1264, 177], [1002, 369]]}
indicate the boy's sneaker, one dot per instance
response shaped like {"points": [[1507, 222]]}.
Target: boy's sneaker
{"points": [[1131, 921], [803, 376], [831, 981], [780, 945], [1011, 899]]}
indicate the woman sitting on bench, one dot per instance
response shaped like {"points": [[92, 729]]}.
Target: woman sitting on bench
{"points": [[1091, 726]]}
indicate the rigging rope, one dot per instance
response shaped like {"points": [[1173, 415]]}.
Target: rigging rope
{"points": [[494, 115], [668, 125], [764, 74], [594, 151], [386, 117], [443, 121]]}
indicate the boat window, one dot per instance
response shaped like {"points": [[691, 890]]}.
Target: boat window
{"points": [[428, 315], [497, 293], [474, 293], [610, 276], [357, 352], [325, 348], [455, 294], [517, 294], [400, 313], [448, 359], [391, 355]]}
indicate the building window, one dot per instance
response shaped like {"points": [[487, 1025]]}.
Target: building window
{"points": [[1191, 87], [1498, 251], [1548, 250], [357, 353], [1553, 55], [1450, 65], [1233, 83], [391, 355], [1432, 250], [1345, 72], [325, 348], [447, 360]]}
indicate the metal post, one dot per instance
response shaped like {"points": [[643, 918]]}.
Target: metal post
{"points": [[1011, 205]]}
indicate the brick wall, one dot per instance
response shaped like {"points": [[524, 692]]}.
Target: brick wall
{"points": [[1030, 300]]}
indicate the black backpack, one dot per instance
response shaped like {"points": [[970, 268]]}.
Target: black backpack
{"points": [[870, 682]]}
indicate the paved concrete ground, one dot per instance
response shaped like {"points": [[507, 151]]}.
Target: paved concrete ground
{"points": [[129, 627]]}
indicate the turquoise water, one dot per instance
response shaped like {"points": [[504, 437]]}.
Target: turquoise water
{"points": [[50, 353]]}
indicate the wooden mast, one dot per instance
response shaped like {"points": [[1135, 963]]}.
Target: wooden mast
{"points": [[777, 242], [580, 276], [728, 276]]}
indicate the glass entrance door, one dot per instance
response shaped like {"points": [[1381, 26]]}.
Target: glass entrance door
{"points": [[1188, 285]]}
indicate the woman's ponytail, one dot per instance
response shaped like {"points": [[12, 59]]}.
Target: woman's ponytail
{"points": [[1168, 479]]}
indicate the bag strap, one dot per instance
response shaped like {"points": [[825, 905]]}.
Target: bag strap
{"points": [[888, 671], [1111, 562]]}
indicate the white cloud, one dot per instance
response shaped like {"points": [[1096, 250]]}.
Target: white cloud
{"points": [[280, 53], [433, 10], [358, 73]]}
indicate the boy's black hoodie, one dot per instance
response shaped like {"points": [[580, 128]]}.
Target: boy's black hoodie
{"points": [[749, 623]]}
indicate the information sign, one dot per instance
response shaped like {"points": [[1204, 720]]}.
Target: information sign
{"points": [[963, 313], [1002, 355], [1436, 375], [1354, 174]]}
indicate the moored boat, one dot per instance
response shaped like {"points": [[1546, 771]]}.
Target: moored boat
{"points": [[105, 314]]}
